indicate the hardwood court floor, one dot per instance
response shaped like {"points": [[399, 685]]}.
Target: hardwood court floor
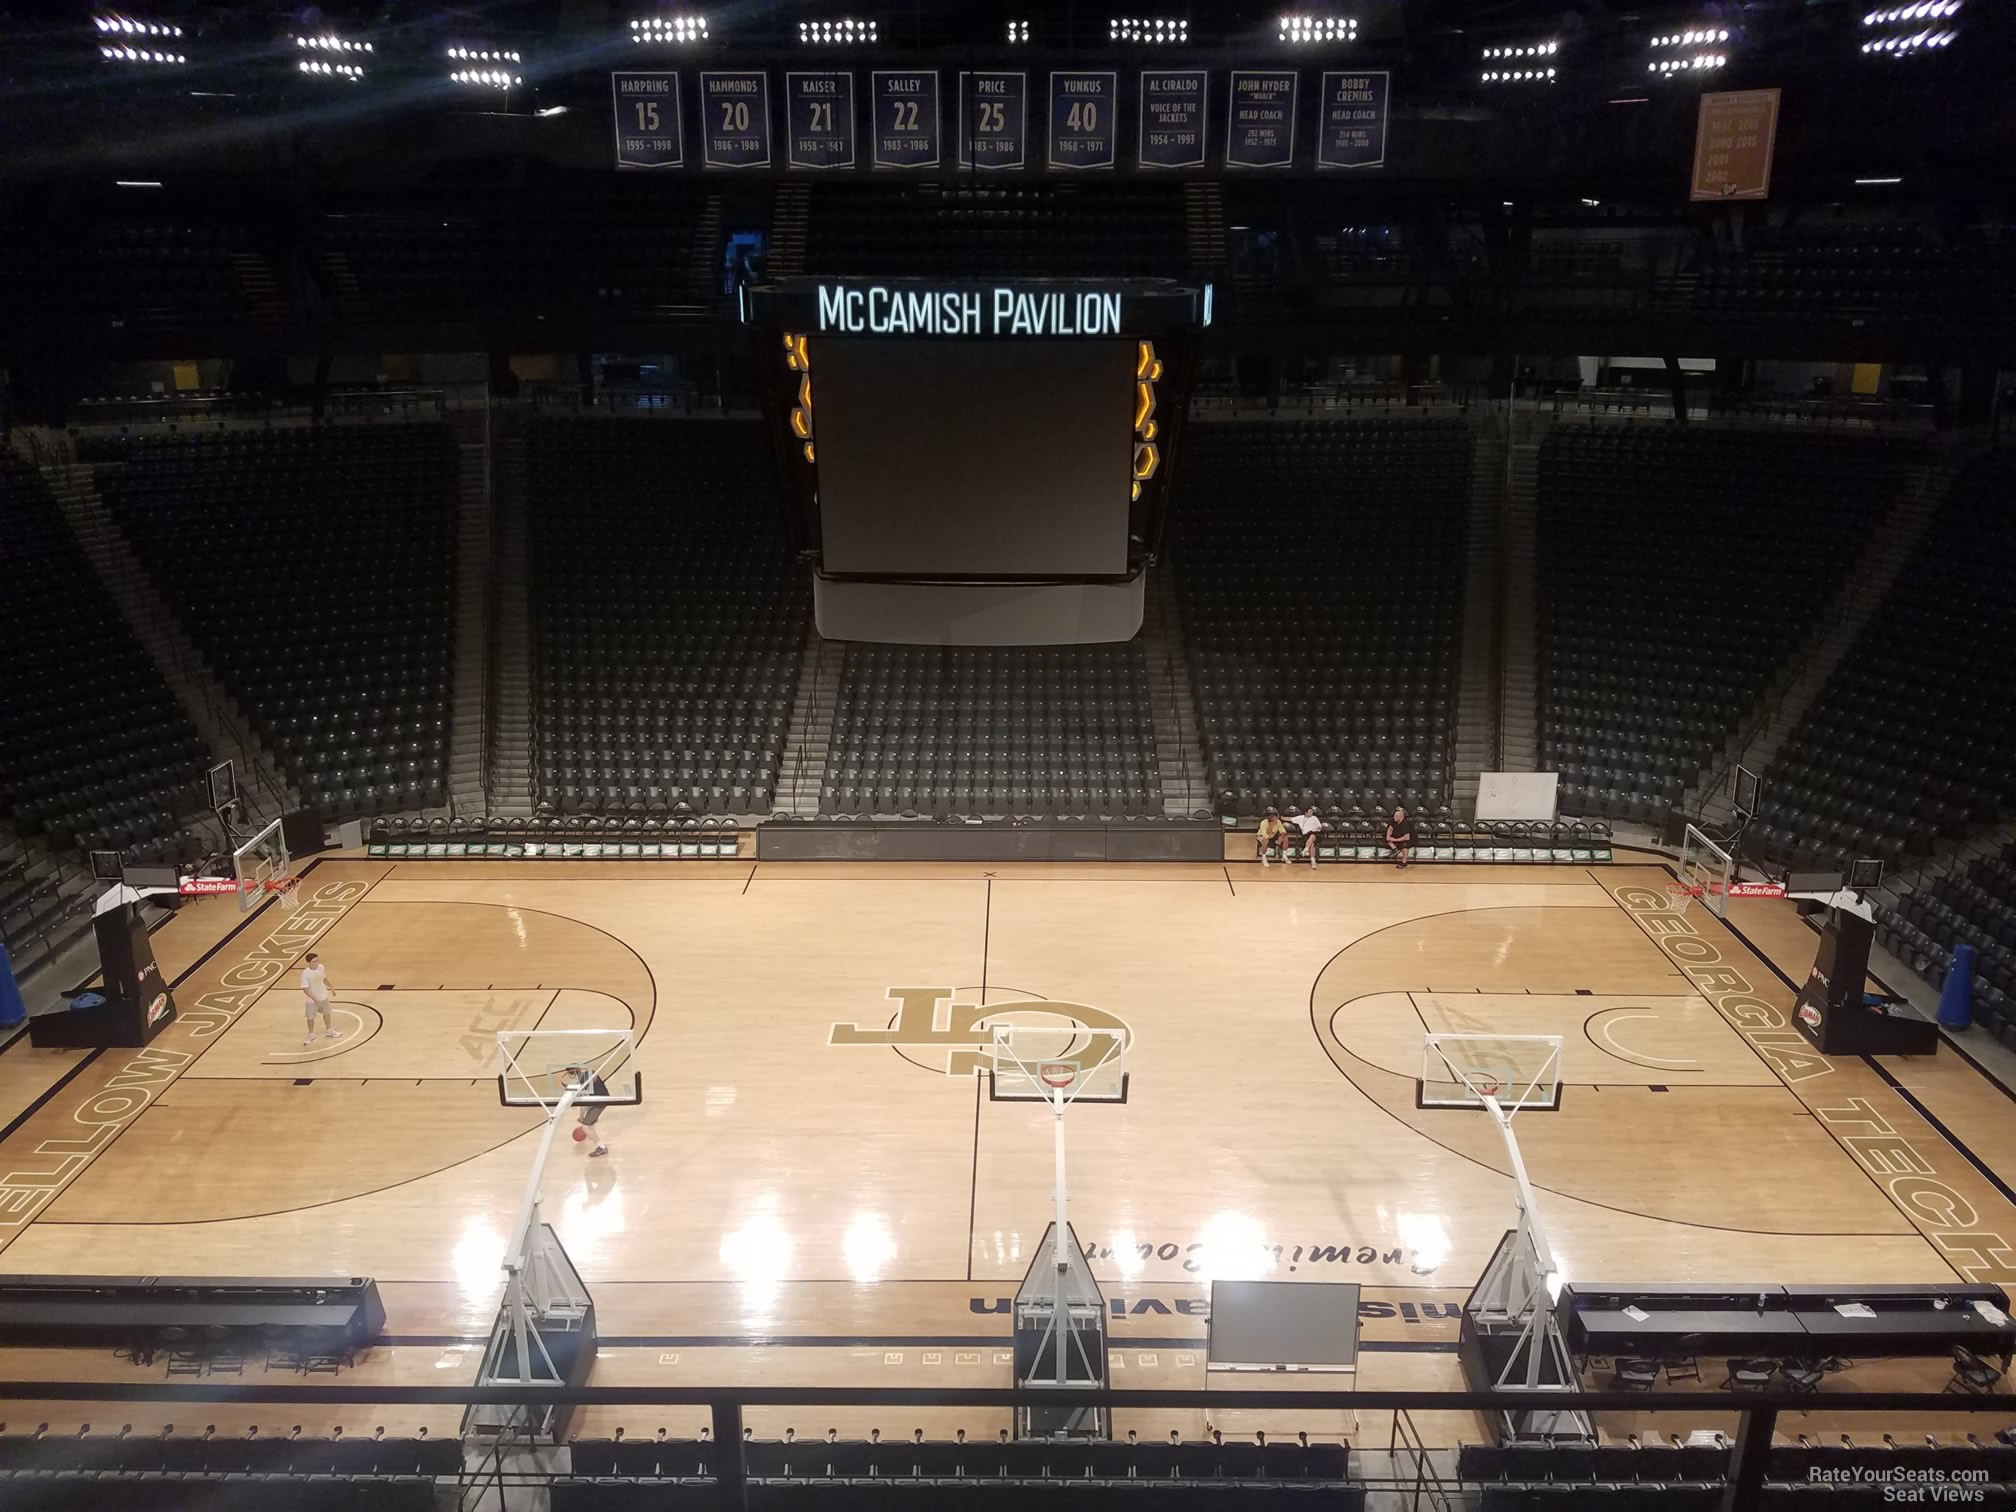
{"points": [[791, 1205]]}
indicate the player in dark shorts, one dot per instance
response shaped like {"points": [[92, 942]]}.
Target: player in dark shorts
{"points": [[591, 1115]]}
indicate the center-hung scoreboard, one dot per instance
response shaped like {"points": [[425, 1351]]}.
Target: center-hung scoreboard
{"points": [[1055, 122]]}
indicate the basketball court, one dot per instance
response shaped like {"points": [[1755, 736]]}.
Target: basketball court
{"points": [[819, 1185]]}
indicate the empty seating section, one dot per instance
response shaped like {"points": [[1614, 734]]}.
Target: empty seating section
{"points": [[111, 1471], [547, 248], [95, 753], [1677, 569], [1284, 1474], [1907, 744], [158, 272], [1831, 270], [999, 730], [314, 568], [1319, 567], [947, 230], [1975, 906], [669, 618]]}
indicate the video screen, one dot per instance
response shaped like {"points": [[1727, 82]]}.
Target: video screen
{"points": [[961, 459]]}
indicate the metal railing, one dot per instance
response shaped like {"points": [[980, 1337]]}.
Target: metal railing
{"points": [[1741, 1489]]}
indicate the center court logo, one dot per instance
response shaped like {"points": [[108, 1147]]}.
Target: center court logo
{"points": [[930, 1030]]}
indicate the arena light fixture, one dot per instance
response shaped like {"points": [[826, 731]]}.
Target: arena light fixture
{"points": [[323, 68], [329, 42], [495, 78], [1705, 36], [1917, 42], [1911, 30], [111, 24], [1668, 67], [1018, 31], [485, 55], [1302, 29], [675, 29], [127, 52], [1925, 10], [846, 29], [1150, 29], [1521, 63]]}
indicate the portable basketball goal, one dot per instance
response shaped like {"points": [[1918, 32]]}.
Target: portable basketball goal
{"points": [[262, 867], [1703, 874], [1511, 1339], [544, 1334], [1060, 1313]]}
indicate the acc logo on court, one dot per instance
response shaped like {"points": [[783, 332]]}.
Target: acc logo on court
{"points": [[957, 1039]]}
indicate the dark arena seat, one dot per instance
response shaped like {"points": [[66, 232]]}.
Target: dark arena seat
{"points": [[1677, 568], [545, 247], [1319, 567], [1284, 1474], [122, 269], [1901, 747], [950, 230], [1001, 730], [1974, 906], [669, 618], [314, 567], [95, 752], [1825, 270]]}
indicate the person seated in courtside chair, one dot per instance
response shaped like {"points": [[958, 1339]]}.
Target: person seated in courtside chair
{"points": [[1399, 835], [1310, 824], [1272, 832]]}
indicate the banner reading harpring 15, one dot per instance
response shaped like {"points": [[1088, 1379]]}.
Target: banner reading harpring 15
{"points": [[647, 120]]}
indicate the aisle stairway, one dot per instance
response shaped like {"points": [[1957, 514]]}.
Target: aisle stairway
{"points": [[467, 730], [225, 730], [1792, 691]]}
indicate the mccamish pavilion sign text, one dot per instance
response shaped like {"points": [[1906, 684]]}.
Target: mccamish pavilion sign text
{"points": [[880, 311]]}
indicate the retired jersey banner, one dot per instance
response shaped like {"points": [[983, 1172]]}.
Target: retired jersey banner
{"points": [[819, 120], [1352, 133], [1084, 131], [1733, 144], [1260, 125], [993, 120], [647, 120], [1172, 117], [735, 119], [906, 118]]}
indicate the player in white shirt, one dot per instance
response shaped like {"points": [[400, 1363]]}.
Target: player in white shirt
{"points": [[1311, 826], [315, 996]]}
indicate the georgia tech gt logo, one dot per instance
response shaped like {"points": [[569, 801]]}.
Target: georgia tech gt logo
{"points": [[957, 1039]]}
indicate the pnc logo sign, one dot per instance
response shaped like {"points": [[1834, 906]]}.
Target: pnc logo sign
{"points": [[930, 1030]]}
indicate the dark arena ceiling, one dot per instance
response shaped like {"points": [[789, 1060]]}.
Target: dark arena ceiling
{"points": [[367, 96]]}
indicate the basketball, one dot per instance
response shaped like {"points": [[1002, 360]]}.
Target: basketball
{"points": [[580, 1133]]}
